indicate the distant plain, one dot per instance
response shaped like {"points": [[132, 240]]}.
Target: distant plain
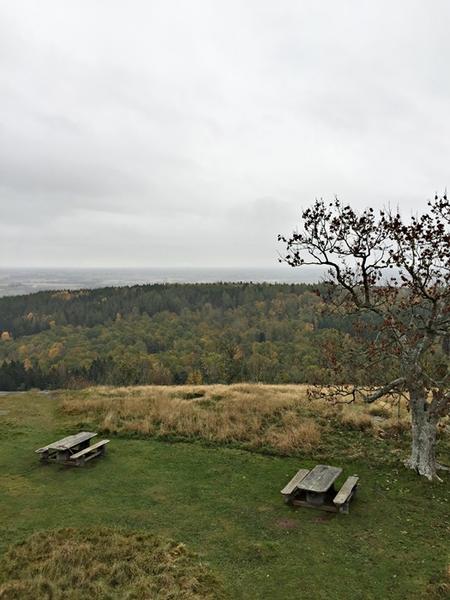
{"points": [[17, 281]]}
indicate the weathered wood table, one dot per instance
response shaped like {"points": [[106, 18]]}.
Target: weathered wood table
{"points": [[318, 482], [73, 450], [316, 489]]}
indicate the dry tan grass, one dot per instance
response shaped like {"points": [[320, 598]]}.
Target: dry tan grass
{"points": [[281, 417], [294, 435], [395, 426], [255, 415], [354, 417], [380, 409]]}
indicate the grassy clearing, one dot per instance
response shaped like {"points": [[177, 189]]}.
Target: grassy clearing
{"points": [[71, 564], [224, 504], [254, 416], [258, 417]]}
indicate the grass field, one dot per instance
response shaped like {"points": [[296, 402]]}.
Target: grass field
{"points": [[281, 419], [223, 502]]}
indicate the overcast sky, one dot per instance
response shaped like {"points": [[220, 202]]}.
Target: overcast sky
{"points": [[171, 133]]}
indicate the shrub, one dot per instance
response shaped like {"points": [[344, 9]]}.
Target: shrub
{"points": [[354, 419], [380, 409], [394, 426]]}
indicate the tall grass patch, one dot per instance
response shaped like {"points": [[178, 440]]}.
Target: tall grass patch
{"points": [[256, 416], [281, 418], [100, 563]]}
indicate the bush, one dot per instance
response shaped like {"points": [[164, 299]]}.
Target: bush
{"points": [[354, 419], [394, 426], [380, 409]]}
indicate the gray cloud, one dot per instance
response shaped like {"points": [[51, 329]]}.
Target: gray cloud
{"points": [[173, 133]]}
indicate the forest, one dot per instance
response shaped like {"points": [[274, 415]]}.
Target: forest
{"points": [[170, 334]]}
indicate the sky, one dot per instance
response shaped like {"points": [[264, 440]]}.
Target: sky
{"points": [[174, 133]]}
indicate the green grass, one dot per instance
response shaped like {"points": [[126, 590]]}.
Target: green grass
{"points": [[225, 505], [102, 562]]}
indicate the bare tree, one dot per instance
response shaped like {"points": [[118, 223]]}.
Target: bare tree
{"points": [[394, 273]]}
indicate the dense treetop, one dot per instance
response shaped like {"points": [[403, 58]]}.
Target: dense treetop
{"points": [[32, 313], [174, 333]]}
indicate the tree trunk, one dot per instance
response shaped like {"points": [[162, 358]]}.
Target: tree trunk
{"points": [[424, 429]]}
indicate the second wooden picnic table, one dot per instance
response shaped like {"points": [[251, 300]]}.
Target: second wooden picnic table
{"points": [[316, 489], [73, 449], [319, 482]]}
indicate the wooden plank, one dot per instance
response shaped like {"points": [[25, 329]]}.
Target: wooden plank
{"points": [[346, 490], [80, 462], [68, 442], [320, 479], [89, 449], [290, 487], [72, 440]]}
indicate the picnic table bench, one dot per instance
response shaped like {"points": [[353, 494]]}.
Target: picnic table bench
{"points": [[315, 489], [73, 449]]}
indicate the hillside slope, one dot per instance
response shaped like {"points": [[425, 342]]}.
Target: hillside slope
{"points": [[168, 334]]}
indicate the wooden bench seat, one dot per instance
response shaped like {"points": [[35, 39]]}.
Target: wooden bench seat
{"points": [[345, 494], [90, 452], [290, 487]]}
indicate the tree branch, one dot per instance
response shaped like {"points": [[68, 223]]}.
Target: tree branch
{"points": [[384, 390]]}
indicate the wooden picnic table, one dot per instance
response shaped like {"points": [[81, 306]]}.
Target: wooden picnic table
{"points": [[69, 442], [315, 489], [73, 449], [319, 480]]}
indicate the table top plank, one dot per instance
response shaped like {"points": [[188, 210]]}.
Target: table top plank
{"points": [[320, 479], [69, 442]]}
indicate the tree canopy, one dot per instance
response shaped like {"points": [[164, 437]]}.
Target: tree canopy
{"points": [[397, 271], [168, 334]]}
